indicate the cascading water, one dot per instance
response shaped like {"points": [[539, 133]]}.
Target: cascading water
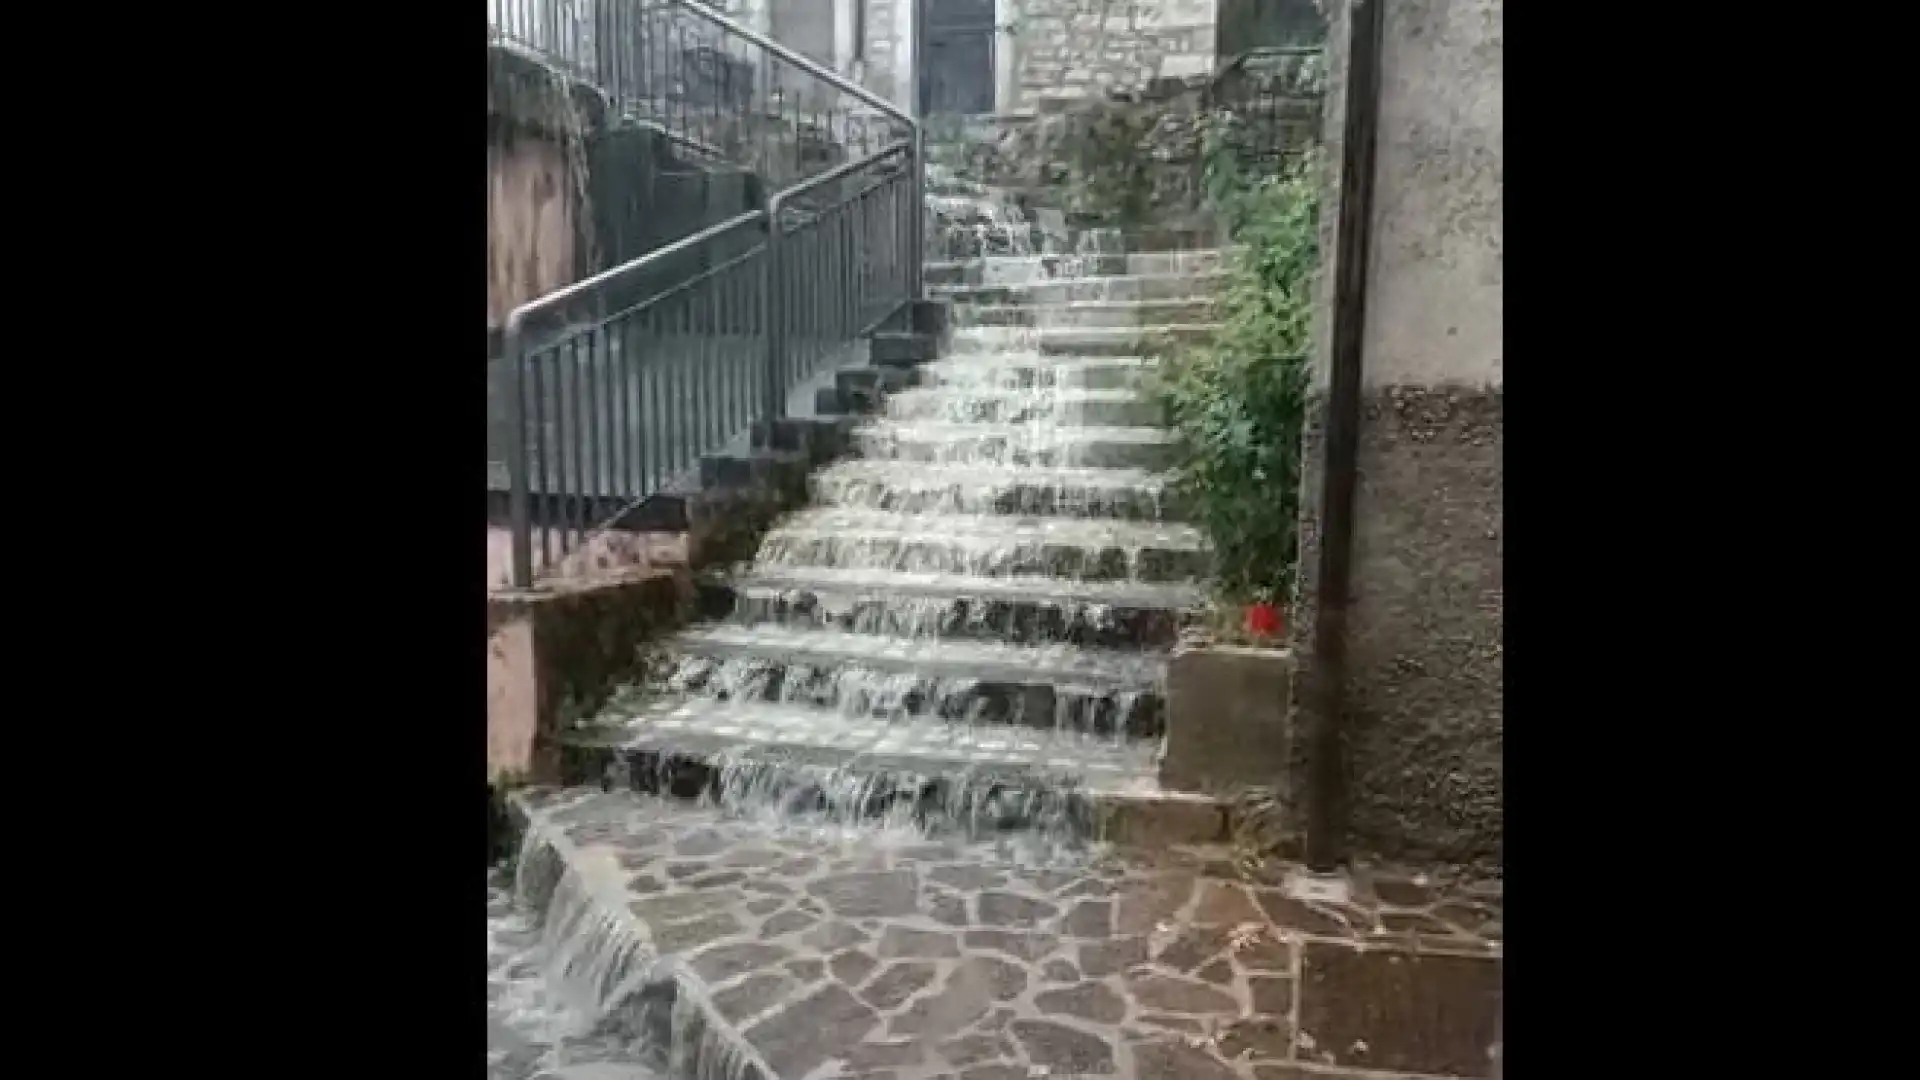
{"points": [[967, 631]]}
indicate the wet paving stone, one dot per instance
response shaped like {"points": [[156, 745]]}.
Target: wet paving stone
{"points": [[1193, 947], [723, 963], [879, 895], [1107, 957], [967, 878], [896, 984], [1088, 1001], [807, 971], [787, 922], [1179, 995], [898, 941], [1006, 909], [1271, 996], [1060, 1048], [886, 1054], [1005, 981], [1089, 919], [1177, 1061], [754, 996], [1060, 971], [1399, 1011], [974, 1049], [852, 966], [951, 910], [1221, 902], [833, 936], [682, 936], [1028, 946], [1219, 973], [812, 1031], [997, 1072], [765, 906]]}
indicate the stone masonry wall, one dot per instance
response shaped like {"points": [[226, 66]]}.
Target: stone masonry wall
{"points": [[1425, 706], [1075, 48]]}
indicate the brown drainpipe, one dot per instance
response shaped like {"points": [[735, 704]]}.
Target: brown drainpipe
{"points": [[1326, 839]]}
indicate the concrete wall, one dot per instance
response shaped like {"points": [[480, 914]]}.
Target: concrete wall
{"points": [[1425, 708]]}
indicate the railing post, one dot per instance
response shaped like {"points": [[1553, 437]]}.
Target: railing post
{"points": [[513, 384], [917, 215], [775, 405]]}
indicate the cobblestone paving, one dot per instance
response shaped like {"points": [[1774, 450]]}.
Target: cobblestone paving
{"points": [[907, 958]]}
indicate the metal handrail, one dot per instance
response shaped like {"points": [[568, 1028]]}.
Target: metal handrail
{"points": [[824, 74], [839, 82], [514, 350]]}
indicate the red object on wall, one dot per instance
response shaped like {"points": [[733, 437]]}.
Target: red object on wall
{"points": [[1263, 620]]}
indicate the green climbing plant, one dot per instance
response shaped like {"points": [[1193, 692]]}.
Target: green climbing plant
{"points": [[1237, 401]]}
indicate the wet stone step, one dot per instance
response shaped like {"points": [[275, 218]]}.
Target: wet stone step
{"points": [[1029, 369], [912, 487], [1085, 446], [1093, 313], [1114, 408], [1055, 687], [1086, 289], [1020, 269], [793, 737], [853, 689], [1081, 549], [1084, 340], [1116, 615]]}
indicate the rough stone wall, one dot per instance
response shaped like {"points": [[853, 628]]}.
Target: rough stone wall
{"points": [[1067, 49], [1425, 706]]}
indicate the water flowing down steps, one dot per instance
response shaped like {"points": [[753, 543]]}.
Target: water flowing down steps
{"points": [[973, 620]]}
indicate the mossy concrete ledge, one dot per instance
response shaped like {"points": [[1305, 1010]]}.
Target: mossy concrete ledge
{"points": [[1227, 718], [558, 651]]}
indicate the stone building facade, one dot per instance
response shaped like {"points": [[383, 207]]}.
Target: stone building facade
{"points": [[1424, 708], [1028, 52]]}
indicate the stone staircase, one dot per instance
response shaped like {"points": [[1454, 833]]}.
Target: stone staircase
{"points": [[974, 615]]}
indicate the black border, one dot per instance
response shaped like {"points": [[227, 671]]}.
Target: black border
{"points": [[264, 735]]}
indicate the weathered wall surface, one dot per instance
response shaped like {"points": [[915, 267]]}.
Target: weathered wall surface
{"points": [[531, 231], [1425, 703], [1074, 48]]}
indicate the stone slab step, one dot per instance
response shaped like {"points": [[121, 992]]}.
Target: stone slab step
{"points": [[1119, 407], [989, 545], [1026, 759], [1098, 691], [1085, 446], [1100, 313], [1017, 369], [917, 487], [1067, 290], [1020, 269], [1082, 340], [1109, 614]]}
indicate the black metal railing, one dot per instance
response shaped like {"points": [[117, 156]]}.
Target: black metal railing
{"points": [[711, 84], [615, 386]]}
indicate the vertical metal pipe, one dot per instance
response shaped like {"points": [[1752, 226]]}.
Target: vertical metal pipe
{"points": [[519, 517], [774, 402], [1327, 778], [917, 223]]}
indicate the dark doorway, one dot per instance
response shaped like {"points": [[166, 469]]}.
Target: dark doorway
{"points": [[958, 54]]}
